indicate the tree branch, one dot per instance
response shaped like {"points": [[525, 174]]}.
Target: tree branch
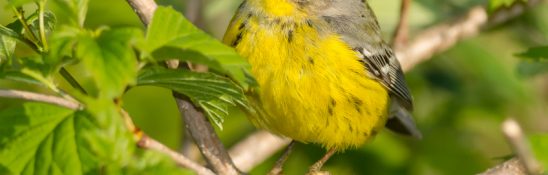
{"points": [[196, 123], [401, 34], [205, 137], [441, 37], [147, 142], [256, 148], [512, 166]]}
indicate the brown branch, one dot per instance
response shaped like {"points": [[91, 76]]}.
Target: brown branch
{"points": [[513, 166], [144, 9], [30, 96], [256, 148], [196, 123], [441, 37], [206, 139], [401, 33], [149, 143]]}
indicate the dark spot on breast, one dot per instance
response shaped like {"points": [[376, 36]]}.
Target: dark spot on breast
{"points": [[289, 35], [237, 40], [242, 25], [330, 109], [357, 104], [363, 16], [349, 124], [311, 61], [331, 105]]}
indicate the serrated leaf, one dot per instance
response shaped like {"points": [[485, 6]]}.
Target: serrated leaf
{"points": [[49, 22], [27, 134], [213, 93], [110, 59], [170, 29]]}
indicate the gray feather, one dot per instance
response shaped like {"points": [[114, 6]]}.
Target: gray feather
{"points": [[355, 22]]}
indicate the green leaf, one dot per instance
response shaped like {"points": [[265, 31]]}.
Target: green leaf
{"points": [[7, 48], [186, 42], [109, 59], [535, 53], [49, 22], [7, 32], [213, 93], [27, 134], [18, 3], [496, 4], [74, 10], [539, 143]]}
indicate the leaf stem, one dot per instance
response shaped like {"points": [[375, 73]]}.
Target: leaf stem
{"points": [[20, 16], [41, 7], [71, 80]]}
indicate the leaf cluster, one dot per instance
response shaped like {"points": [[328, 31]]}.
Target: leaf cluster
{"points": [[40, 138]]}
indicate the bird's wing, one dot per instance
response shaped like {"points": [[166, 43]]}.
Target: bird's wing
{"points": [[356, 24]]}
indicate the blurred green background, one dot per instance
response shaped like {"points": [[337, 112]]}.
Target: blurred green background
{"points": [[462, 95]]}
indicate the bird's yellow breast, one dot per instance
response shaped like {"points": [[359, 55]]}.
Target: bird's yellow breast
{"points": [[312, 86]]}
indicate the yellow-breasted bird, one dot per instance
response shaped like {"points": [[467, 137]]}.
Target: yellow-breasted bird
{"points": [[324, 72]]}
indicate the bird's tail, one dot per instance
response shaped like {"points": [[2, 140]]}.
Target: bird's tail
{"points": [[401, 121]]}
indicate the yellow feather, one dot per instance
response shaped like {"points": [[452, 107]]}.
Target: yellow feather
{"points": [[312, 86]]}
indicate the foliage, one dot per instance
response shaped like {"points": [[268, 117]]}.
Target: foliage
{"points": [[496, 4], [44, 139], [461, 96]]}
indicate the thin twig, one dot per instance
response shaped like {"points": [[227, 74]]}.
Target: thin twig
{"points": [[401, 33], [256, 148], [441, 37], [30, 96], [515, 137], [278, 166], [148, 143]]}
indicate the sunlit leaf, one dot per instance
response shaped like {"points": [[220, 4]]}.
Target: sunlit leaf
{"points": [[49, 22], [170, 29], [213, 93], [109, 59], [28, 135]]}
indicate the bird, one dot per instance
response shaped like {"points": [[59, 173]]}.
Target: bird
{"points": [[324, 72]]}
